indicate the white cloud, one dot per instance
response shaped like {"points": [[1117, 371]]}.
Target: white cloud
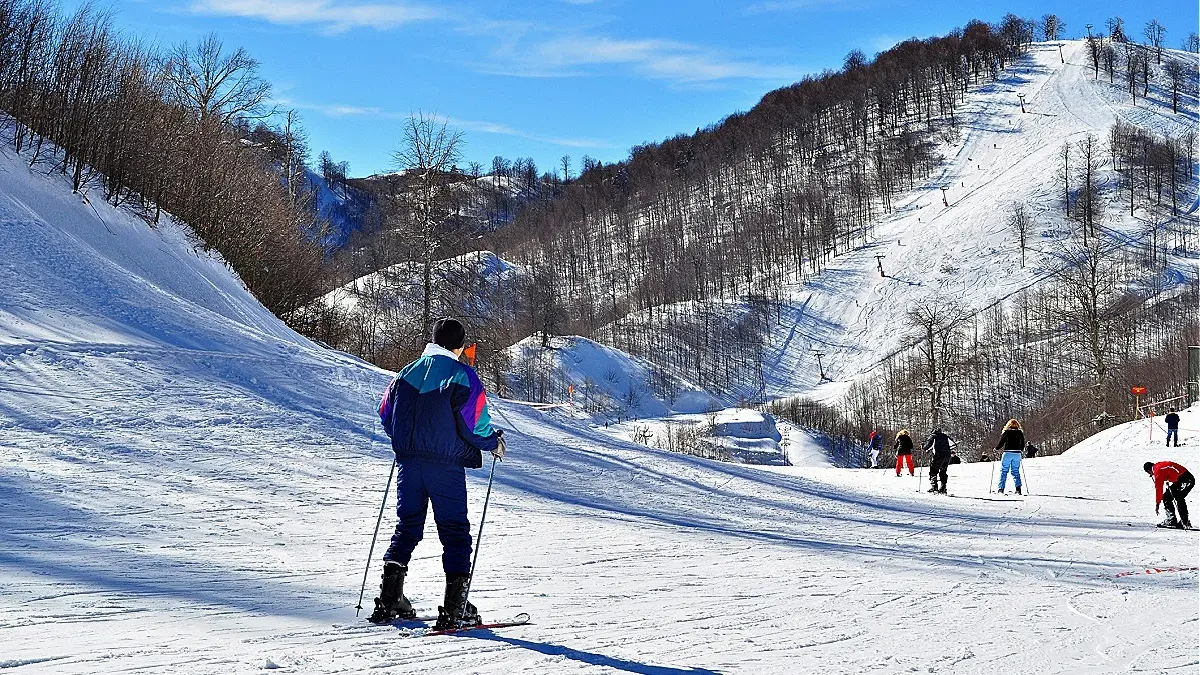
{"points": [[329, 14], [655, 58]]}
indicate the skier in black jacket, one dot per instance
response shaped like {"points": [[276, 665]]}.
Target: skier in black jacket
{"points": [[903, 447], [1172, 420], [1012, 443], [940, 443]]}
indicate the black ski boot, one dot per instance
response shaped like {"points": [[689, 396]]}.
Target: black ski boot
{"points": [[391, 603], [933, 488], [1018, 489], [455, 610]]}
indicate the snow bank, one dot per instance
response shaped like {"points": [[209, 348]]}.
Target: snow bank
{"points": [[608, 383]]}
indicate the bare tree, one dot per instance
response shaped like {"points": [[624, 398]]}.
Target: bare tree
{"points": [[1116, 29], [1052, 26], [1089, 205], [1156, 35], [1191, 43], [1089, 276], [214, 84], [1180, 77], [1133, 63], [1021, 223], [935, 323], [1094, 50], [1064, 173], [428, 150]]}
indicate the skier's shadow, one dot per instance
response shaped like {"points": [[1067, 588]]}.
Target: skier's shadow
{"points": [[589, 658]]}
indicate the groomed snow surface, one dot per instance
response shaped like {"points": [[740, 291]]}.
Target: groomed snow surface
{"points": [[187, 486]]}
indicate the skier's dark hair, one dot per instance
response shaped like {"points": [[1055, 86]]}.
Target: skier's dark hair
{"points": [[448, 333], [1149, 467]]}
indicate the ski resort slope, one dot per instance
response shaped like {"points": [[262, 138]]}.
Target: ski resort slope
{"points": [[966, 251], [187, 486]]}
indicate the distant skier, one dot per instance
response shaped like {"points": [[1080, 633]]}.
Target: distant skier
{"points": [[436, 413], [1012, 443], [903, 447], [1178, 482], [1172, 420], [1031, 450], [940, 444], [875, 442]]}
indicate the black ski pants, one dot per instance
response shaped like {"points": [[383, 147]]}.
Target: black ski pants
{"points": [[937, 469], [1173, 496]]}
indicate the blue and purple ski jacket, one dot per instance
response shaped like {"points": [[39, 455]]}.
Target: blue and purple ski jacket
{"points": [[436, 410]]}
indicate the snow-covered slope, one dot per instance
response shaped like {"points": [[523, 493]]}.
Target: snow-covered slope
{"points": [[187, 486], [966, 251], [400, 285], [608, 384]]}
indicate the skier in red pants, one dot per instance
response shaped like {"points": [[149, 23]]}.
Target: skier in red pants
{"points": [[903, 448], [1181, 483]]}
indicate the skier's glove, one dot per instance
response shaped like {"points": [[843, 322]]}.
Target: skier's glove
{"points": [[498, 452]]}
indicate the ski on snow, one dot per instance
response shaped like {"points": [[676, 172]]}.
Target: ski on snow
{"points": [[518, 620]]}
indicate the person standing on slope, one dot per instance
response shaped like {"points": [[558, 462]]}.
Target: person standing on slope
{"points": [[1012, 443], [903, 447], [1178, 482], [875, 443], [940, 444], [1172, 420], [437, 415]]}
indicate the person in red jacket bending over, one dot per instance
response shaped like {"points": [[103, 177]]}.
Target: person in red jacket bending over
{"points": [[1181, 482]]}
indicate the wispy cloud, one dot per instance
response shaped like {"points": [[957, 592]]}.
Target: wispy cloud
{"points": [[774, 6], [478, 126], [329, 15], [520, 47], [880, 43], [678, 62]]}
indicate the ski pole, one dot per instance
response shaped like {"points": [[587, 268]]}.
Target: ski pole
{"points": [[920, 474], [1025, 476], [386, 490], [992, 480], [479, 537]]}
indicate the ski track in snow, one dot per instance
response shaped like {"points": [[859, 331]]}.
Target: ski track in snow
{"points": [[187, 486]]}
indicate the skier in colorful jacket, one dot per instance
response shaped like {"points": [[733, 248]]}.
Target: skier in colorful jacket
{"points": [[1012, 442], [1172, 483], [436, 413]]}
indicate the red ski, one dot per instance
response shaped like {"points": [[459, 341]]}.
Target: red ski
{"points": [[518, 620]]}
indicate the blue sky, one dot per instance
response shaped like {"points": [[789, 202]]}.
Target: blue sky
{"points": [[544, 78]]}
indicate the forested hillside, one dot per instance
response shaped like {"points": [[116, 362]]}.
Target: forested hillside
{"points": [[1041, 200]]}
